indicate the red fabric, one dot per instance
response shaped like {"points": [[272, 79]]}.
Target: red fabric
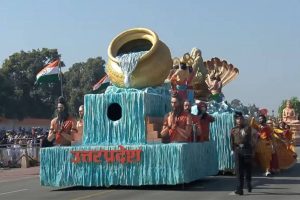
{"points": [[172, 133], [265, 132], [180, 122], [203, 126]]}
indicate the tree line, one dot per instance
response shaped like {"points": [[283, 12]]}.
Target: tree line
{"points": [[20, 97]]}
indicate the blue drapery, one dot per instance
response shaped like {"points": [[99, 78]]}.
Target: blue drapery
{"points": [[160, 164], [136, 105], [220, 135]]}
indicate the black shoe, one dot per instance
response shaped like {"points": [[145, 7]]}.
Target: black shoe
{"points": [[249, 188], [239, 192]]}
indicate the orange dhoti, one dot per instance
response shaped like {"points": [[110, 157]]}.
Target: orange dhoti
{"points": [[264, 153]]}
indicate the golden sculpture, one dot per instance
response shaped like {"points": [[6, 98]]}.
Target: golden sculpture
{"points": [[289, 114], [204, 73], [152, 68], [227, 72]]}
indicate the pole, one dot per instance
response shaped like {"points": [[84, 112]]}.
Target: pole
{"points": [[61, 80]]}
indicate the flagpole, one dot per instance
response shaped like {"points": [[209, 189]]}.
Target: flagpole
{"points": [[61, 79]]}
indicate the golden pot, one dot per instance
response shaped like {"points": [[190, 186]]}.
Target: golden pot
{"points": [[152, 68]]}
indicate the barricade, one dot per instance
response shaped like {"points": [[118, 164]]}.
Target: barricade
{"points": [[15, 155]]}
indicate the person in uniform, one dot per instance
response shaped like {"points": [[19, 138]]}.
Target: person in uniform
{"points": [[241, 146]]}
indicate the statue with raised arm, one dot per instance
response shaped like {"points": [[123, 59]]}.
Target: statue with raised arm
{"points": [[180, 80]]}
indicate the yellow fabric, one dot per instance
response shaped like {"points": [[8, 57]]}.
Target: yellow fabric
{"points": [[264, 153], [254, 124], [286, 157], [277, 130]]}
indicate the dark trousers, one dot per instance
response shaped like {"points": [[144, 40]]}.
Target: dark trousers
{"points": [[243, 164]]}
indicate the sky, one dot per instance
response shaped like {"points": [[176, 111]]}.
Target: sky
{"points": [[259, 37]]}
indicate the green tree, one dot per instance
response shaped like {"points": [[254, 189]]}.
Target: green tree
{"points": [[6, 93], [295, 103], [79, 81], [26, 99]]}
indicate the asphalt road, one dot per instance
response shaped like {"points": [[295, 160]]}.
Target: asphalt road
{"points": [[285, 185]]}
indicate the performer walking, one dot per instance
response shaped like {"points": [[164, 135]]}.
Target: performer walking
{"points": [[264, 145]]}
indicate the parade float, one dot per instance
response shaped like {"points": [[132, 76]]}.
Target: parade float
{"points": [[121, 143]]}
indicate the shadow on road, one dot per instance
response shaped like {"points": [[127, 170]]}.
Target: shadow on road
{"points": [[292, 172], [279, 193]]}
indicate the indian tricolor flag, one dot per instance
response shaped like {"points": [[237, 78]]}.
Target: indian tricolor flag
{"points": [[104, 81], [49, 73]]}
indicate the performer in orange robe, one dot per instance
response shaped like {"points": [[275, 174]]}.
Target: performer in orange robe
{"points": [[177, 124], [264, 147], [284, 147], [62, 126], [202, 121], [274, 164]]}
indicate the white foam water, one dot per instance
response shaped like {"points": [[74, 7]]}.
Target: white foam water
{"points": [[128, 64]]}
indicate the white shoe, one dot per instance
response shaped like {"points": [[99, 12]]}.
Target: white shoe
{"points": [[268, 173]]}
